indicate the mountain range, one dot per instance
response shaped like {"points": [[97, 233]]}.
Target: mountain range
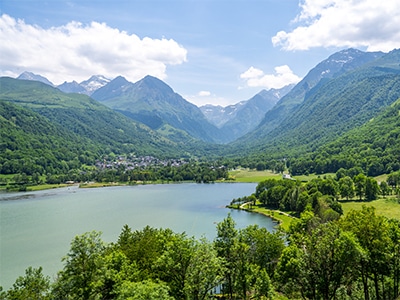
{"points": [[339, 95], [239, 119], [361, 88], [153, 103], [86, 87]]}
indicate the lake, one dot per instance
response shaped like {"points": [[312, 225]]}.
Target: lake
{"points": [[36, 228]]}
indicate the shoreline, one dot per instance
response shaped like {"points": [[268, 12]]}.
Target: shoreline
{"points": [[270, 213], [85, 185]]}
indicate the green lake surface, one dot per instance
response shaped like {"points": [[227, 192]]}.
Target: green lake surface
{"points": [[36, 228]]}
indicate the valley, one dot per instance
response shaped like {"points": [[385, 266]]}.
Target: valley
{"points": [[324, 153]]}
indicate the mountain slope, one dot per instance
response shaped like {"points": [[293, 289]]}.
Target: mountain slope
{"points": [[331, 108], [373, 147], [252, 113], [30, 143], [71, 87], [260, 103], [88, 119], [335, 65], [155, 104]]}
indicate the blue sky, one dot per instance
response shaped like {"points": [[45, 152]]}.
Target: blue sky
{"points": [[209, 51]]}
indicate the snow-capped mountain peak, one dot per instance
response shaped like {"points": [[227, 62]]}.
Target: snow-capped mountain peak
{"points": [[94, 83]]}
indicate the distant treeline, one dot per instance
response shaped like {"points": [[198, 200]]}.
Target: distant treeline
{"points": [[198, 172]]}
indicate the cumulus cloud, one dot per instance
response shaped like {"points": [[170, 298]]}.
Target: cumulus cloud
{"points": [[283, 76], [344, 23], [75, 51]]}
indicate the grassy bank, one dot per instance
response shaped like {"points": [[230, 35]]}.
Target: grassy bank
{"points": [[31, 188], [283, 219]]}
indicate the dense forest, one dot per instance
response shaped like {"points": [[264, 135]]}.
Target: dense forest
{"points": [[374, 147], [323, 255]]}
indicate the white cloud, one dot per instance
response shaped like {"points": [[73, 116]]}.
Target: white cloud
{"points": [[204, 93], [283, 76], [75, 51], [372, 24]]}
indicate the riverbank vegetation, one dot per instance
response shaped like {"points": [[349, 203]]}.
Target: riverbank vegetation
{"points": [[328, 197]]}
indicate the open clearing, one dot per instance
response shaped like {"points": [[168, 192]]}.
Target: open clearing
{"points": [[388, 207], [246, 175]]}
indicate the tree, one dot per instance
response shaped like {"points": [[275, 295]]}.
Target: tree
{"points": [[288, 271], [394, 179], [144, 290], [171, 267], [330, 258], [384, 188], [291, 201], [341, 173], [83, 270], [224, 244], [394, 259], [359, 182], [241, 269], [371, 231], [204, 272], [328, 187], [117, 269], [371, 189], [317, 265], [34, 285], [275, 195], [265, 247], [144, 247], [346, 187], [262, 287]]}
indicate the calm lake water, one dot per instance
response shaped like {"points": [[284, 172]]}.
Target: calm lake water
{"points": [[36, 228]]}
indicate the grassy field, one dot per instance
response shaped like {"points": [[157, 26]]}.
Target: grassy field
{"points": [[246, 175], [312, 176], [388, 207], [381, 178]]}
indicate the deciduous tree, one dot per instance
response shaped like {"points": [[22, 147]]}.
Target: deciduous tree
{"points": [[34, 285]]}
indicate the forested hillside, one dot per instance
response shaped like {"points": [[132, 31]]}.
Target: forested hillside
{"points": [[374, 147], [54, 132], [335, 65], [32, 144], [329, 110]]}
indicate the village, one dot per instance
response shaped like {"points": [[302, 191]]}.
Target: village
{"points": [[134, 162]]}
